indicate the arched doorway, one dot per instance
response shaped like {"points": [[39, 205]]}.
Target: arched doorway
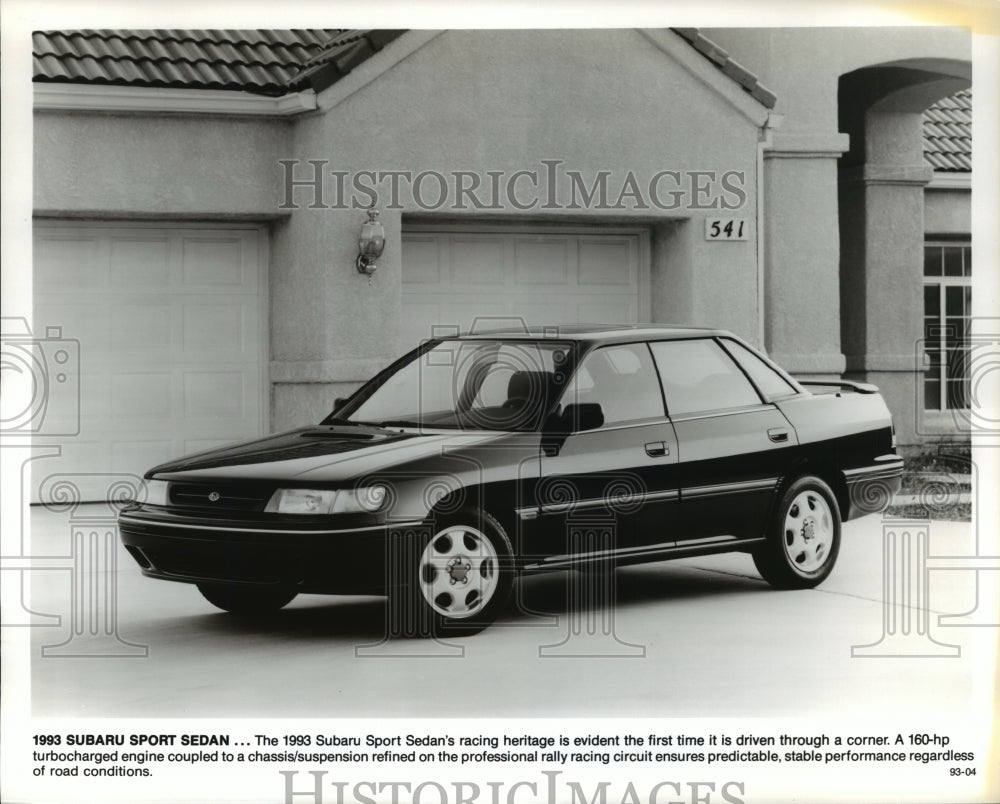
{"points": [[881, 181]]}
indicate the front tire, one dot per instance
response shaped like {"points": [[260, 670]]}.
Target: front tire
{"points": [[803, 539], [462, 576], [245, 600]]}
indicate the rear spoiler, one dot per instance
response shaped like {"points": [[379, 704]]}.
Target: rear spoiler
{"points": [[857, 387]]}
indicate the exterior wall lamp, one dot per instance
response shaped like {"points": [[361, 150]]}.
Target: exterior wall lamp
{"points": [[371, 242]]}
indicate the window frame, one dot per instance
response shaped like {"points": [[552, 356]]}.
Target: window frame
{"points": [[941, 281], [353, 403], [794, 389], [701, 414], [579, 364]]}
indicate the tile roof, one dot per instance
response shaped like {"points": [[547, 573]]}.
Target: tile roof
{"points": [[267, 61], [264, 61], [948, 134], [342, 53], [275, 62], [720, 58]]}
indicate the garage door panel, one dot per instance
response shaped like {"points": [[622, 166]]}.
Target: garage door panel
{"points": [[95, 389], [542, 261], [424, 260], [606, 310], [84, 323], [126, 455], [115, 326], [62, 259], [543, 277], [415, 326], [214, 395], [76, 454], [548, 312], [168, 321], [473, 260], [216, 264], [146, 327], [607, 262], [231, 326], [462, 312], [141, 395], [140, 262]]}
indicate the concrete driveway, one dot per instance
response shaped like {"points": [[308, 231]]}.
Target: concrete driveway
{"points": [[696, 637]]}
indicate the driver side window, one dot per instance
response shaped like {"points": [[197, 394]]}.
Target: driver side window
{"points": [[622, 380]]}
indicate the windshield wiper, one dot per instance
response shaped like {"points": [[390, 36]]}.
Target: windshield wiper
{"points": [[426, 425]]}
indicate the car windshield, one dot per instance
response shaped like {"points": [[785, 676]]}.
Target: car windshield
{"points": [[474, 384]]}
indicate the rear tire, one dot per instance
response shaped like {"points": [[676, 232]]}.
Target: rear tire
{"points": [[246, 600], [803, 539]]}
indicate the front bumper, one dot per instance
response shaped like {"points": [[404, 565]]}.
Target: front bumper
{"points": [[339, 555]]}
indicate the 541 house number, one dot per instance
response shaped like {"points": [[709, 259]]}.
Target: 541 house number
{"points": [[726, 229]]}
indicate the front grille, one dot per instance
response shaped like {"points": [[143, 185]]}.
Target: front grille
{"points": [[259, 567], [219, 497]]}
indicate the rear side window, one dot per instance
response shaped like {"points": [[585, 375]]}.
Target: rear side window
{"points": [[770, 382], [699, 377]]}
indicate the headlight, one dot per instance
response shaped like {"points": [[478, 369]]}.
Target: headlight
{"points": [[301, 501], [316, 501], [152, 492], [369, 499]]}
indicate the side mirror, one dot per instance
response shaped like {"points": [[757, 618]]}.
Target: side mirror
{"points": [[576, 419], [585, 416], [340, 400]]}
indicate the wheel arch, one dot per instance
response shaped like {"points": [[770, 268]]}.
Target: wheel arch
{"points": [[822, 470], [475, 496]]}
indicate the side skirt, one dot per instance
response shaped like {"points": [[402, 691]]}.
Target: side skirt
{"points": [[642, 555]]}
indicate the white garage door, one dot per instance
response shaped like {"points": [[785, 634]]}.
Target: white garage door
{"points": [[545, 275], [171, 342]]}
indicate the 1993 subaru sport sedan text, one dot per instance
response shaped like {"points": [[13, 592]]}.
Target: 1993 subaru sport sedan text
{"points": [[475, 458]]}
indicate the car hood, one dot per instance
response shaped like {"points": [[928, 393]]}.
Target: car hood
{"points": [[323, 454]]}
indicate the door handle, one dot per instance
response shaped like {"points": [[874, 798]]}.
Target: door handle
{"points": [[777, 434], [657, 449]]}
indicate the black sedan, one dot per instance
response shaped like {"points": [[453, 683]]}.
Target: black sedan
{"points": [[475, 458]]}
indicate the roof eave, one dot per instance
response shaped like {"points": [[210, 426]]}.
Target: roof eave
{"points": [[728, 66], [332, 65], [53, 96]]}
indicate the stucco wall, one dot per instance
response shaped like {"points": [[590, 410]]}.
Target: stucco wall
{"points": [[947, 212], [141, 165], [802, 65], [802, 325]]}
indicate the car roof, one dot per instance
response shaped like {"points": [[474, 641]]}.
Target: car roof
{"points": [[603, 333]]}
